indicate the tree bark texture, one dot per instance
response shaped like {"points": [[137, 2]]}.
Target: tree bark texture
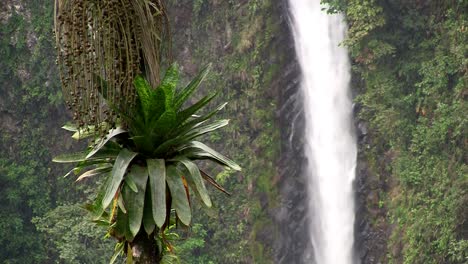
{"points": [[145, 250]]}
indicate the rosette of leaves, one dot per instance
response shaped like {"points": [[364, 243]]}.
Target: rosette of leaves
{"points": [[148, 161]]}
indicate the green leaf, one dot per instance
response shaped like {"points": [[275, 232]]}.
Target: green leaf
{"points": [[187, 113], [144, 92], [195, 180], [185, 138], [190, 88], [134, 202], [88, 131], [82, 156], [96, 207], [121, 204], [131, 184], [165, 123], [198, 150], [148, 221], [169, 83], [196, 122], [69, 173], [129, 254], [95, 172], [158, 104], [118, 171], [102, 141], [152, 102], [121, 228], [144, 144], [71, 157], [205, 129], [70, 127], [83, 165], [164, 147], [157, 177], [179, 196], [119, 247]]}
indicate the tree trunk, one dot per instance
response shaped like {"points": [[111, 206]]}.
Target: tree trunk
{"points": [[145, 250]]}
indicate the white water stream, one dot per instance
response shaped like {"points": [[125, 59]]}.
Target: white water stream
{"points": [[330, 143]]}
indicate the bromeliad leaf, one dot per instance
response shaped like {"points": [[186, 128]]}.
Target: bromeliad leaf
{"points": [[152, 102], [96, 207], [134, 201], [118, 171], [89, 131], [131, 184], [86, 164], [102, 141], [148, 221], [191, 87], [198, 150], [158, 104], [179, 196], [191, 134], [121, 228], [157, 178], [121, 204], [102, 154], [95, 172], [70, 127], [71, 157], [196, 132], [165, 123], [187, 113], [195, 180], [196, 122], [169, 83], [144, 91]]}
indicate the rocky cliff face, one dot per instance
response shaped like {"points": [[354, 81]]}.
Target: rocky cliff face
{"points": [[371, 227], [250, 47]]}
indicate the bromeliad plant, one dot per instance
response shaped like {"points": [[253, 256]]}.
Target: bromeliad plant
{"points": [[148, 161]]}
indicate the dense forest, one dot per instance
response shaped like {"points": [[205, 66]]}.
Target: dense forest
{"points": [[410, 77], [409, 68]]}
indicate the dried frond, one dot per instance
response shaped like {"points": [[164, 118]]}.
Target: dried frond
{"points": [[102, 45]]}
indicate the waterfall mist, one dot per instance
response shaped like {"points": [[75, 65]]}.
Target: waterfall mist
{"points": [[329, 133]]}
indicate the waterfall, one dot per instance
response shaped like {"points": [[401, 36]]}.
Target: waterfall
{"points": [[329, 133]]}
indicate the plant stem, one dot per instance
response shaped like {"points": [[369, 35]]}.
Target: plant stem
{"points": [[145, 250]]}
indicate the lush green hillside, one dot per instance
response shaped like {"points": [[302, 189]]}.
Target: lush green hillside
{"points": [[242, 40], [410, 66]]}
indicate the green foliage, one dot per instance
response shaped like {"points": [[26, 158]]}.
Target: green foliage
{"points": [[156, 146], [244, 39], [73, 237], [29, 97], [410, 60], [190, 246]]}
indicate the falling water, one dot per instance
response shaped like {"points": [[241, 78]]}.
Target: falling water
{"points": [[330, 143]]}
